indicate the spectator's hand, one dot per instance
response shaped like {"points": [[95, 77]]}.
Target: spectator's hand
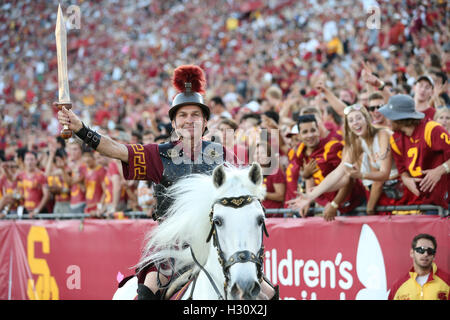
{"points": [[67, 117], [329, 212], [368, 77], [109, 214], [353, 172], [431, 178], [309, 168], [60, 164], [303, 200], [101, 209], [410, 183], [293, 95], [55, 189], [320, 86], [4, 166], [97, 213], [438, 89], [51, 146], [304, 211], [268, 123], [34, 213], [7, 200]]}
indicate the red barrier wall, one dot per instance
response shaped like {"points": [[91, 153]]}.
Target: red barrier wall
{"points": [[350, 258]]}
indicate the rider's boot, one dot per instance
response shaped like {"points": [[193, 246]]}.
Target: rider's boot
{"points": [[144, 293]]}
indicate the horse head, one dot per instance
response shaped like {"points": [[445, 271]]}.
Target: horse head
{"points": [[237, 229]]}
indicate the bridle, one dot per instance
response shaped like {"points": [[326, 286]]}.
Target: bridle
{"points": [[239, 256]]}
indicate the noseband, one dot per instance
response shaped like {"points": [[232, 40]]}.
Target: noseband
{"points": [[239, 256]]}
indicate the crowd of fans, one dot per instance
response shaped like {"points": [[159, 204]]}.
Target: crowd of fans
{"points": [[266, 64]]}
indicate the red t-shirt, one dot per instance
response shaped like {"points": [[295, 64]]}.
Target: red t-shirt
{"points": [[396, 34], [58, 181], [335, 134], [77, 195], [113, 169], [427, 148], [429, 113], [31, 185], [94, 191], [292, 174], [269, 181]]}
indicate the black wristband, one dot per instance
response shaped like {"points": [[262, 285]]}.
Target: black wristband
{"points": [[82, 132], [88, 136]]}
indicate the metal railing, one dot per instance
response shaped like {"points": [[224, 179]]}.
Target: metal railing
{"points": [[286, 213], [423, 207]]}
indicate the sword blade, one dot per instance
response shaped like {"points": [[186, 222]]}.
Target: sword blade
{"points": [[61, 52]]}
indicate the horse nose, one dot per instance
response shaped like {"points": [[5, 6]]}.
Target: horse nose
{"points": [[245, 290]]}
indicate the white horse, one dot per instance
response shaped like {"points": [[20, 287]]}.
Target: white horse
{"points": [[225, 208]]}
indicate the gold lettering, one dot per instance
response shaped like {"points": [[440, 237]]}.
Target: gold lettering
{"points": [[413, 153], [444, 137], [45, 287]]}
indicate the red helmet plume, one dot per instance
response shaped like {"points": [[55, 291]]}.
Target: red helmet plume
{"points": [[189, 74]]}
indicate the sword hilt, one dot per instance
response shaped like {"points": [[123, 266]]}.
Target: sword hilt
{"points": [[65, 133]]}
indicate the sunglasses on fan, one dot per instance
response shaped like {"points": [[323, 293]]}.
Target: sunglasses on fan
{"points": [[422, 250], [373, 108]]}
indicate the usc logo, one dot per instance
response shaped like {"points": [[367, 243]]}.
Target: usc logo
{"points": [[45, 288]]}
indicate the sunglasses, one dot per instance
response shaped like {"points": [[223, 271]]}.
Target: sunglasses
{"points": [[373, 108], [353, 107], [422, 250]]}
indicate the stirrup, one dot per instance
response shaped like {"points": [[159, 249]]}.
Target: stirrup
{"points": [[276, 295]]}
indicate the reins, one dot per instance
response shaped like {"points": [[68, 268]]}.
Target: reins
{"points": [[207, 275]]}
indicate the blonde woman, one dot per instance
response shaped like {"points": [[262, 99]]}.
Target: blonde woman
{"points": [[366, 156], [442, 116]]}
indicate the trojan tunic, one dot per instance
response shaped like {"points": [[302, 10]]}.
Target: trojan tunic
{"points": [[164, 164]]}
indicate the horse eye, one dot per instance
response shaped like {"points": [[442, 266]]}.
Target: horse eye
{"points": [[218, 221]]}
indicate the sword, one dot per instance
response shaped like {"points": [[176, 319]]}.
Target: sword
{"points": [[63, 79]]}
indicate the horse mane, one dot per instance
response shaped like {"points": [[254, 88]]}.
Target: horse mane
{"points": [[187, 219]]}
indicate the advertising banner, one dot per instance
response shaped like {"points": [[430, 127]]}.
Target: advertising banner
{"points": [[350, 258]]}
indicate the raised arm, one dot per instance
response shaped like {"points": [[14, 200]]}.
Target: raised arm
{"points": [[332, 182], [369, 78], [337, 104], [106, 146]]}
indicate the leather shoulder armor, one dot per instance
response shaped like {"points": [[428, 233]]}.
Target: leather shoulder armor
{"points": [[177, 166]]}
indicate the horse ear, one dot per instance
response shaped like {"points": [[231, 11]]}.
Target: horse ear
{"points": [[255, 173], [219, 176]]}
